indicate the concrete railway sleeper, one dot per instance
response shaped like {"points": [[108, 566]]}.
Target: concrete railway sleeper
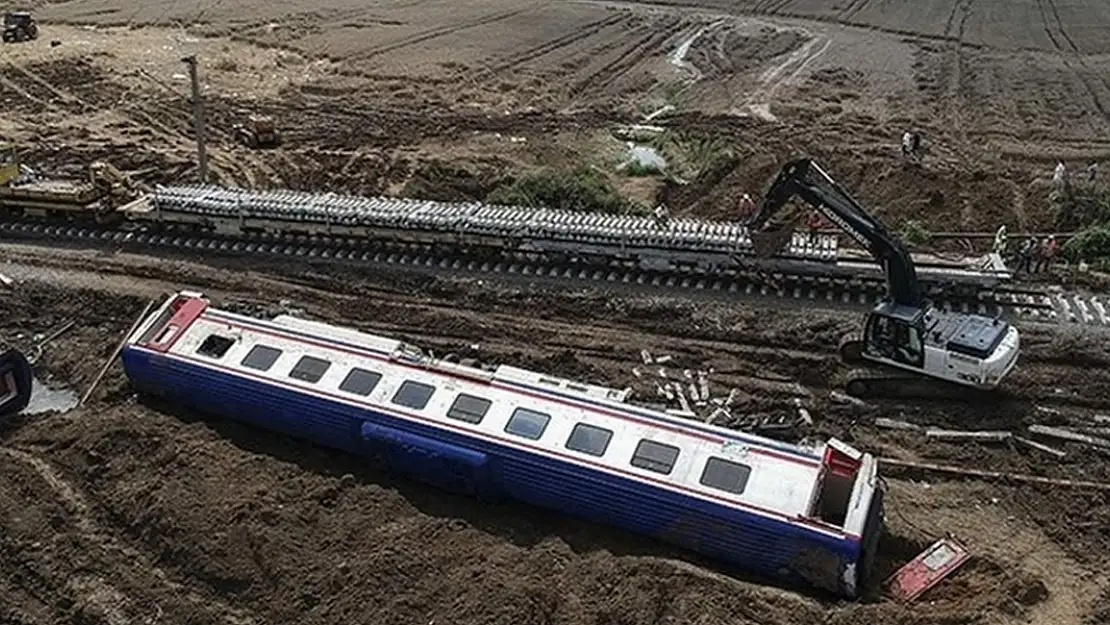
{"points": [[816, 290]]}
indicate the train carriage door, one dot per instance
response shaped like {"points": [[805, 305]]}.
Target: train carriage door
{"points": [[839, 469]]}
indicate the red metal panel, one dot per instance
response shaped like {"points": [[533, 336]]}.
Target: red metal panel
{"points": [[840, 463], [928, 569], [186, 311]]}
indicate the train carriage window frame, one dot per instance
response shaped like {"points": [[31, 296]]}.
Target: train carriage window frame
{"points": [[646, 458], [360, 381], [726, 475], [261, 357], [519, 421], [413, 394], [472, 413], [310, 369], [589, 439], [215, 346]]}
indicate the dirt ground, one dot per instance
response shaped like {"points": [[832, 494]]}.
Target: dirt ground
{"points": [[384, 98], [123, 512]]}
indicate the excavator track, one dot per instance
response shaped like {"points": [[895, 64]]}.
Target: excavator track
{"points": [[872, 380]]}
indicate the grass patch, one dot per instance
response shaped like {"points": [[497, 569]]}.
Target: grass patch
{"points": [[636, 169], [1087, 211], [691, 154], [913, 233], [583, 189]]}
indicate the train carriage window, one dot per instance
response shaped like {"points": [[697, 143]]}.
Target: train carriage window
{"points": [[655, 456], [469, 408], [589, 439], [261, 357], [310, 369], [527, 423], [215, 346], [724, 475], [360, 382], [413, 394]]}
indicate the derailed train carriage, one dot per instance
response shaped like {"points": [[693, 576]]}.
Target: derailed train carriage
{"points": [[807, 515]]}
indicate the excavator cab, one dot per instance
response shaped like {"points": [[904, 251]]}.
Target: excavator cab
{"points": [[896, 333]]}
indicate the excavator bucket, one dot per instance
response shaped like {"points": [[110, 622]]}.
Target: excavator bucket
{"points": [[767, 244]]}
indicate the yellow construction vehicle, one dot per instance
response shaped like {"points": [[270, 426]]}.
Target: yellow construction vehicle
{"points": [[257, 132], [23, 194]]}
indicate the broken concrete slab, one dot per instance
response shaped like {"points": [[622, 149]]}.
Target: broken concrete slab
{"points": [[1068, 435], [895, 424], [841, 398], [1040, 447], [992, 436]]}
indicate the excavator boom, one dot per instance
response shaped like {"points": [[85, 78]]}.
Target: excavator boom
{"points": [[904, 332], [805, 179]]}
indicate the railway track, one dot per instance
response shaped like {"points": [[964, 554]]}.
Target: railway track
{"points": [[1014, 303]]}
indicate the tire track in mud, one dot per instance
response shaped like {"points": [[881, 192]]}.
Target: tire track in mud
{"points": [[33, 88], [779, 7], [854, 7], [98, 591], [629, 62], [1085, 73], [548, 47], [441, 31], [637, 50], [954, 32], [774, 77]]}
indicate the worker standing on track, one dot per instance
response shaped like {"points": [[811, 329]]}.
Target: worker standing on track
{"points": [[1092, 171], [1000, 242], [1025, 254], [1047, 253], [1037, 250], [907, 143]]}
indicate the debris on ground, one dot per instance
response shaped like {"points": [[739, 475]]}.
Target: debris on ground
{"points": [[960, 435], [842, 398], [688, 394], [896, 424], [928, 569], [1071, 436], [1040, 447]]}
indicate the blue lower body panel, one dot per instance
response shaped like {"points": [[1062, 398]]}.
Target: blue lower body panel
{"points": [[487, 470], [448, 466], [16, 383]]}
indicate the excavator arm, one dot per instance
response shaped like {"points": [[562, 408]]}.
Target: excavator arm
{"points": [[805, 179]]}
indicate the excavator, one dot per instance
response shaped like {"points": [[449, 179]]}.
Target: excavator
{"points": [[921, 349]]}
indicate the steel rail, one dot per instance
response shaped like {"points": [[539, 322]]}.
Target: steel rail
{"points": [[1015, 303]]}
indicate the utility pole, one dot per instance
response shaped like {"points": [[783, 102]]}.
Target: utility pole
{"points": [[198, 117]]}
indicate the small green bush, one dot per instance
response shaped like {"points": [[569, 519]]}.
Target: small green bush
{"points": [[636, 169], [584, 190], [1091, 244], [914, 233]]}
